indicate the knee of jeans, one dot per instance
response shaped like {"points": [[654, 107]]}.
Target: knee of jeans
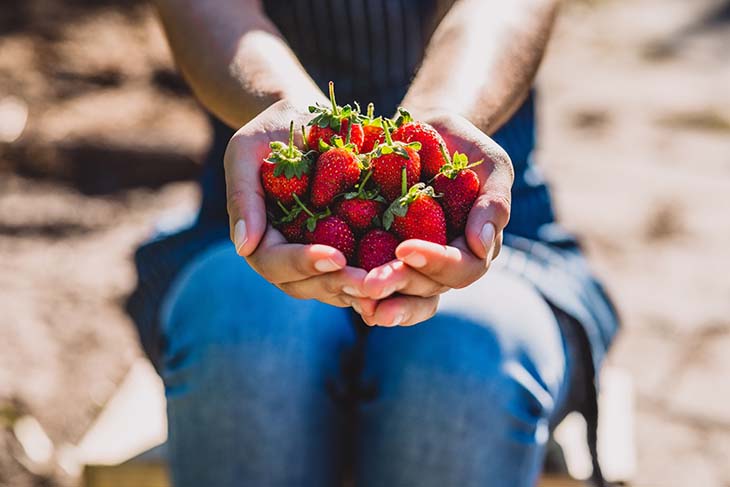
{"points": [[460, 369], [221, 310]]}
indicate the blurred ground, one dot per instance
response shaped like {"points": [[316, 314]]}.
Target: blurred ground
{"points": [[635, 135]]}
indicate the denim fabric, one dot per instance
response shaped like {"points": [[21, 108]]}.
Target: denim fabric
{"points": [[254, 383]]}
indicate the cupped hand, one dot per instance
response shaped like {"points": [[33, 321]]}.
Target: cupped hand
{"points": [[302, 271], [408, 288]]}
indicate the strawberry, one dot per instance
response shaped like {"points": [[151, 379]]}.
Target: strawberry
{"points": [[336, 170], [326, 229], [291, 225], [416, 214], [459, 186], [372, 130], [361, 209], [285, 172], [376, 248], [332, 121], [411, 131], [390, 159]]}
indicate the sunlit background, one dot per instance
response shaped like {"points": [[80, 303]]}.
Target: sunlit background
{"points": [[99, 138]]}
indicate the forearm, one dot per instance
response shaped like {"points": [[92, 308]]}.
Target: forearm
{"points": [[482, 60], [233, 57]]}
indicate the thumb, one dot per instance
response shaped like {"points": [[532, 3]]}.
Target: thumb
{"points": [[487, 219], [245, 197]]}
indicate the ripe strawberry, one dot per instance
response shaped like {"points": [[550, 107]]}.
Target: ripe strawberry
{"points": [[336, 170], [411, 131], [333, 231], [389, 161], [285, 172], [373, 130], [459, 186], [361, 209], [376, 248], [291, 225], [326, 229], [417, 215], [332, 121]]}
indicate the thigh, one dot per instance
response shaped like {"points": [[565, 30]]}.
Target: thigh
{"points": [[466, 397], [246, 370]]}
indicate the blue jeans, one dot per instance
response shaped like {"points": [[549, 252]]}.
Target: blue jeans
{"points": [[255, 380]]}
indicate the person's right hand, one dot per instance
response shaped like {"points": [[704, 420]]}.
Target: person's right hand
{"points": [[302, 271]]}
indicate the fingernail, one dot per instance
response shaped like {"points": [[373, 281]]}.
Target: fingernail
{"points": [[326, 265], [414, 259], [352, 291], [398, 320], [357, 308], [487, 236], [240, 236]]}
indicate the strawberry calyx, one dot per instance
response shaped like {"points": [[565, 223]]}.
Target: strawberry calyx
{"points": [[394, 147], [338, 143], [402, 117], [289, 214], [399, 207], [369, 118], [289, 160], [313, 217], [332, 116], [456, 163], [363, 193]]}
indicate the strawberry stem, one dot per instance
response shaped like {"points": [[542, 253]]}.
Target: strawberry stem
{"points": [[332, 98], [371, 110], [302, 205], [386, 131], [361, 187], [283, 208], [403, 182], [445, 154], [290, 152], [304, 138], [349, 132]]}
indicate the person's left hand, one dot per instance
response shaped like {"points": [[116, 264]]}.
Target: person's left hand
{"points": [[424, 270]]}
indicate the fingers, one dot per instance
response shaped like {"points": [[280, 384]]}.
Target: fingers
{"points": [[246, 204], [490, 212], [396, 276], [402, 311], [280, 262], [344, 285], [452, 266]]}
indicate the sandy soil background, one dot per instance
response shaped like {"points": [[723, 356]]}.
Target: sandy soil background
{"points": [[635, 136]]}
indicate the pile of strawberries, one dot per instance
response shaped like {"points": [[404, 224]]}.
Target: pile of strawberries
{"points": [[364, 184]]}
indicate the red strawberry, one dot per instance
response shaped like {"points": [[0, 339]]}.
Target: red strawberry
{"points": [[417, 215], [376, 248], [291, 225], [332, 121], [372, 129], [285, 172], [359, 213], [323, 228], [411, 131], [361, 209], [333, 231], [459, 186], [388, 162], [336, 171]]}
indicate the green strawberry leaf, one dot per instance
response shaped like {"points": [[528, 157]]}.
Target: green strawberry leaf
{"points": [[401, 152], [402, 117]]}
